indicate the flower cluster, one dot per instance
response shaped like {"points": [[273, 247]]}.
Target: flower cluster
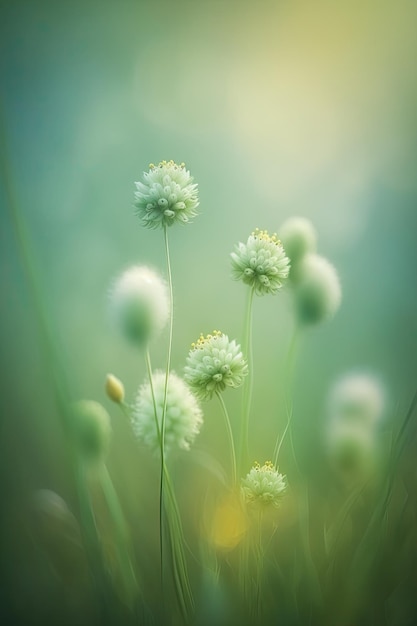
{"points": [[214, 363], [261, 262], [167, 195], [183, 418], [264, 486]]}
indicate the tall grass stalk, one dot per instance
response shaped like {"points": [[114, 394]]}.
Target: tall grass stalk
{"points": [[230, 437], [248, 383]]}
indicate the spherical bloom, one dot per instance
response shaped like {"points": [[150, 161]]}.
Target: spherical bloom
{"points": [[261, 263], [114, 388], [351, 448], [299, 238], [357, 398], [183, 418], [91, 429], [317, 293], [264, 486], [214, 363], [167, 195], [140, 304]]}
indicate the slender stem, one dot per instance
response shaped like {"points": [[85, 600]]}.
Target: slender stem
{"points": [[155, 410], [288, 382], [248, 384], [230, 436]]}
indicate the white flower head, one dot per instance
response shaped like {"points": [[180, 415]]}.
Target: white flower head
{"points": [[261, 262], [264, 486], [299, 238], [91, 428], [357, 398], [317, 292], [183, 418], [139, 304], [166, 196], [214, 363]]}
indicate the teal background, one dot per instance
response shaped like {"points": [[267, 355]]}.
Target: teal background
{"points": [[278, 109]]}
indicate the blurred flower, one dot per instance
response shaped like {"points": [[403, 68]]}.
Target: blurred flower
{"points": [[264, 486], [183, 418], [114, 388], [214, 363], [351, 449], [261, 263], [299, 238], [357, 398], [167, 195], [317, 293], [91, 429], [139, 304]]}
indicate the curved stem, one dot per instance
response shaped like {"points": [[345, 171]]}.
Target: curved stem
{"points": [[248, 384], [230, 437]]}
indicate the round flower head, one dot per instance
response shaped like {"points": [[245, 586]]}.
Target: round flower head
{"points": [[264, 486], [299, 238], [214, 363], [166, 196], [183, 418], [357, 398], [317, 293], [351, 448], [140, 304], [91, 428], [261, 263]]}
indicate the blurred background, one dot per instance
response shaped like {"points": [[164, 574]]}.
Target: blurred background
{"points": [[278, 109]]}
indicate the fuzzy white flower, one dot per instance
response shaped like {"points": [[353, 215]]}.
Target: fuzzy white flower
{"points": [[357, 398], [214, 363], [183, 417], [317, 292], [261, 262], [91, 429], [166, 196], [264, 486], [139, 304], [299, 238], [351, 448]]}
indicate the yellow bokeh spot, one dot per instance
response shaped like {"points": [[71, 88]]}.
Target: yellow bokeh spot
{"points": [[229, 523]]}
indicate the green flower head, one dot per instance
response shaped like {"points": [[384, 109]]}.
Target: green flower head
{"points": [[214, 363], [166, 196], [264, 486], [261, 263]]}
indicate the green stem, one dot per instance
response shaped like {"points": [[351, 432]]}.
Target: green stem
{"points": [[248, 384], [230, 437]]}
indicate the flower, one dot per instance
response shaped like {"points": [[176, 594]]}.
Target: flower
{"points": [[167, 195], [264, 486], [317, 292], [114, 388], [261, 262], [183, 418], [214, 363], [357, 398], [91, 429], [140, 304], [351, 449], [299, 238]]}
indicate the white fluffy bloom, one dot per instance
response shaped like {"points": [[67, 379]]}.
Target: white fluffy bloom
{"points": [[264, 486], [299, 238], [139, 304], [166, 196], [357, 398], [261, 262], [317, 292], [214, 363], [183, 417]]}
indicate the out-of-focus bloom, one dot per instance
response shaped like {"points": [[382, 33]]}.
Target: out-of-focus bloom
{"points": [[183, 418], [166, 196], [357, 398], [139, 304], [91, 428], [264, 486], [214, 363], [351, 449], [114, 388], [317, 293], [261, 262], [299, 238]]}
